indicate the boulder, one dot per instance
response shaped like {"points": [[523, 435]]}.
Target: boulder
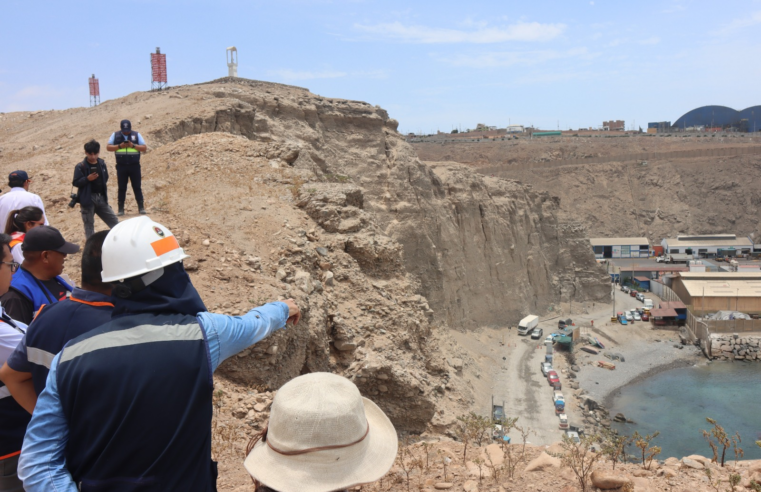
{"points": [[542, 462], [690, 463], [470, 486], [642, 485], [607, 481], [443, 485], [494, 451], [620, 417], [667, 472]]}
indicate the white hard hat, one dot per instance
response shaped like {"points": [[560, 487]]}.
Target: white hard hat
{"points": [[137, 246]]}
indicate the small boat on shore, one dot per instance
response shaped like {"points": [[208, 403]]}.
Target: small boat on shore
{"points": [[590, 350]]}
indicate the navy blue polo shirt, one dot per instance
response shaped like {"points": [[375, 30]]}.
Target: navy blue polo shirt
{"points": [[53, 327]]}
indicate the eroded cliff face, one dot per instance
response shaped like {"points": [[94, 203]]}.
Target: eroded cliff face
{"points": [[485, 251]]}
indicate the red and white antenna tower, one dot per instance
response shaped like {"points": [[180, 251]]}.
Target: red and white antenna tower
{"points": [[158, 71], [94, 91]]}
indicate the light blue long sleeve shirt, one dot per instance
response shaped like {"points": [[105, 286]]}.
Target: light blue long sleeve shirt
{"points": [[42, 465]]}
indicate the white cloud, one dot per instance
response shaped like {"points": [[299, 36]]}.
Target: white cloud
{"points": [[751, 20], [288, 74], [521, 31]]}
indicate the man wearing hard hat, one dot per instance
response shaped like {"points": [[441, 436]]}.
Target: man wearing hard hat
{"points": [[127, 405]]}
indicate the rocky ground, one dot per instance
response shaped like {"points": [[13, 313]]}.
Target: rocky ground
{"points": [[668, 196]]}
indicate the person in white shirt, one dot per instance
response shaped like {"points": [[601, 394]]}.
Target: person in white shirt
{"points": [[19, 197]]}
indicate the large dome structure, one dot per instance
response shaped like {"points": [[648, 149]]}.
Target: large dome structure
{"points": [[747, 120]]}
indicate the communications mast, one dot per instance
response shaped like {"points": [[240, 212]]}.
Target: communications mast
{"points": [[158, 70], [232, 61], [94, 91]]}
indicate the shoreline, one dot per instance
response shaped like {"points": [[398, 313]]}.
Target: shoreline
{"points": [[608, 399]]}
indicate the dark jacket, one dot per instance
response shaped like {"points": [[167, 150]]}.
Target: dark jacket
{"points": [[81, 172]]}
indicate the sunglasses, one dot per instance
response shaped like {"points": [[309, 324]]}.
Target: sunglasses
{"points": [[14, 265]]}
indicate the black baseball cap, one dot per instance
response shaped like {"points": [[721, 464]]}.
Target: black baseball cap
{"points": [[126, 126], [46, 238], [18, 176]]}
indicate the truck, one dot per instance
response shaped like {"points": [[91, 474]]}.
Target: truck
{"points": [[674, 258], [648, 303], [527, 324]]}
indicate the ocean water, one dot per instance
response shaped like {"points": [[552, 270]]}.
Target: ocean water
{"points": [[677, 402]]}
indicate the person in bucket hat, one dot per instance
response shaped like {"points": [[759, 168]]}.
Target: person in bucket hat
{"points": [[322, 436]]}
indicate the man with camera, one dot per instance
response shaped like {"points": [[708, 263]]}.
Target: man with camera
{"points": [[127, 146], [90, 178]]}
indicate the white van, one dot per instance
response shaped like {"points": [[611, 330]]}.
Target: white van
{"points": [[528, 324]]}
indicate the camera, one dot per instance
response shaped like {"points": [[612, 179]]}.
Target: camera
{"points": [[74, 200]]}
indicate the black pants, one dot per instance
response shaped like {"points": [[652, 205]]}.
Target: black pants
{"points": [[129, 173], [9, 481]]}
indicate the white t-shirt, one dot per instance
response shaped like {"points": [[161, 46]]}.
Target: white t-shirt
{"points": [[9, 338], [18, 198]]}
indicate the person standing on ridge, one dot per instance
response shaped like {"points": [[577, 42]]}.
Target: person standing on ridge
{"points": [[128, 406], [26, 370], [19, 197], [127, 145], [90, 178], [38, 281]]}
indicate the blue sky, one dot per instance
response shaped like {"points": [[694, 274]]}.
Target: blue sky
{"points": [[432, 65]]}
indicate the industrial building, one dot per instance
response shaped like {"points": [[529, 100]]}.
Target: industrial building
{"points": [[659, 127], [614, 126], [720, 118], [515, 129], [708, 245], [719, 291], [628, 274], [620, 247]]}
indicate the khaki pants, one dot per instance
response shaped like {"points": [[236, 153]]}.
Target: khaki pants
{"points": [[9, 481]]}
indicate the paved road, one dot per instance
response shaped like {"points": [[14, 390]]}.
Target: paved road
{"points": [[524, 390]]}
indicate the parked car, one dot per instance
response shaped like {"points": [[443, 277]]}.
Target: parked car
{"points": [[563, 421], [661, 259], [546, 367], [645, 317], [637, 316], [574, 436], [625, 289], [561, 324], [537, 334], [640, 297], [550, 339], [629, 316], [553, 379], [633, 293]]}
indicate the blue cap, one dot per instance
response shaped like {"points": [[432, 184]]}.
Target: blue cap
{"points": [[18, 176], [126, 126]]}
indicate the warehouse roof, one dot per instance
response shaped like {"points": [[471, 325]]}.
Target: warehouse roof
{"points": [[723, 288], [654, 268], [619, 241], [673, 305], [709, 242], [642, 279], [721, 275]]}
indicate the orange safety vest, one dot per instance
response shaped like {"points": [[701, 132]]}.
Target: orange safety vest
{"points": [[17, 238]]}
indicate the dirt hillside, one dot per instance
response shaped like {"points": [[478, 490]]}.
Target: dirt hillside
{"points": [[667, 196]]}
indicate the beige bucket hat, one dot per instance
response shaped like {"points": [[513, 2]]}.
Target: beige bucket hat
{"points": [[322, 436]]}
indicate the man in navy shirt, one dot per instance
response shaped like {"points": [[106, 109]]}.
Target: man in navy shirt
{"points": [[26, 370], [127, 406]]}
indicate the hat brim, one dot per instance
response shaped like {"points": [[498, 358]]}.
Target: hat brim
{"points": [[329, 470], [68, 248]]}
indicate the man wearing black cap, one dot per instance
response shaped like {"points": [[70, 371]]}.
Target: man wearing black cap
{"points": [[19, 197], [38, 280], [127, 145]]}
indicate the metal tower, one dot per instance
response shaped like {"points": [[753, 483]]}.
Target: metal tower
{"points": [[158, 71], [232, 61], [94, 91]]}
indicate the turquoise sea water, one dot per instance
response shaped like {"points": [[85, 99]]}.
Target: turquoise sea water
{"points": [[676, 403]]}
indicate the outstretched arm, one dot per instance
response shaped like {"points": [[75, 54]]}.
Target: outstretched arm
{"points": [[228, 335]]}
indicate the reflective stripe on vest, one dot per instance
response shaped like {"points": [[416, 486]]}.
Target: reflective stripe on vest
{"points": [[39, 356], [133, 336], [17, 238]]}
